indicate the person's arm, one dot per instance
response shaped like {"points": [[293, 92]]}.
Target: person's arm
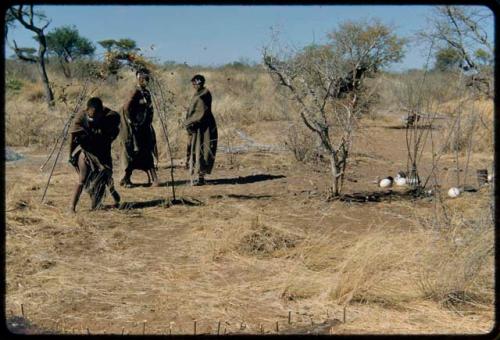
{"points": [[129, 106], [112, 126], [77, 134], [196, 114], [149, 110]]}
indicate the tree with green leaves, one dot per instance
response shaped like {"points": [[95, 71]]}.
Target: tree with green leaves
{"points": [[36, 22], [123, 45], [447, 59], [118, 52], [326, 83], [68, 45]]}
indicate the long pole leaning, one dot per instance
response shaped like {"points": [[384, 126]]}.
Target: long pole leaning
{"points": [[56, 143], [164, 125], [165, 132], [65, 134]]}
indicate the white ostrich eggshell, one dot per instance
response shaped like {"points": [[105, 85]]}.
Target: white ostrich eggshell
{"points": [[385, 183], [400, 181], [453, 192]]}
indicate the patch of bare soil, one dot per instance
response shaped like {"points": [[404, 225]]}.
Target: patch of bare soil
{"points": [[258, 241]]}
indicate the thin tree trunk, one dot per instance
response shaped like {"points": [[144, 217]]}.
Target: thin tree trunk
{"points": [[335, 179], [49, 96]]}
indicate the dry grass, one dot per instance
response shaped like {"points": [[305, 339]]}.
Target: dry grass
{"points": [[255, 249]]}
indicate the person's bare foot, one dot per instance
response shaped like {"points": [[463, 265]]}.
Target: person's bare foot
{"points": [[125, 182]]}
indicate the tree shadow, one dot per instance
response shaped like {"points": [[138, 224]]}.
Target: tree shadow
{"points": [[419, 127], [244, 180], [383, 196]]}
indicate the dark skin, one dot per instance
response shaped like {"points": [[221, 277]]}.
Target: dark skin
{"points": [[142, 81], [84, 172]]}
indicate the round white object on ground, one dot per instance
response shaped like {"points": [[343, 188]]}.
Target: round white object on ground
{"points": [[453, 192], [385, 183]]}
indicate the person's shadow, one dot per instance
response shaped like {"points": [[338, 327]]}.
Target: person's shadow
{"points": [[165, 203], [231, 181]]}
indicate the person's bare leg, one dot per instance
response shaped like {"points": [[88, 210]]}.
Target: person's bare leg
{"points": [[114, 193], [83, 173], [125, 181]]}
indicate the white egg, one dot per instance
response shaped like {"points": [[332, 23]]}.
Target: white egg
{"points": [[453, 192], [385, 183], [400, 181]]}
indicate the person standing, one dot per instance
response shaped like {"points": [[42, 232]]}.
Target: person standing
{"points": [[92, 133], [202, 132], [137, 133]]}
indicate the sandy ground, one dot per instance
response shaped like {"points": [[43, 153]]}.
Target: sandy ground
{"points": [[157, 269]]}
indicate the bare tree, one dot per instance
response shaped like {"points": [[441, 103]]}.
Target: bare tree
{"points": [[26, 16], [326, 83], [462, 29]]}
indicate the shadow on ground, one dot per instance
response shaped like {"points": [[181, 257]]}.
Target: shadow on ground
{"points": [[164, 203], [234, 180], [419, 127], [242, 197]]}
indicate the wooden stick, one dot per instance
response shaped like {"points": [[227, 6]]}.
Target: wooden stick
{"points": [[170, 328], [218, 327], [65, 135], [194, 327], [261, 329], [165, 131], [277, 327], [88, 331], [345, 307], [123, 330], [289, 317], [144, 327], [22, 310]]}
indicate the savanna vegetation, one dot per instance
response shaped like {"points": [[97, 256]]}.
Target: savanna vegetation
{"points": [[293, 233]]}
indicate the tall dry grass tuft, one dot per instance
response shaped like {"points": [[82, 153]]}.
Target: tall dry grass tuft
{"points": [[457, 268]]}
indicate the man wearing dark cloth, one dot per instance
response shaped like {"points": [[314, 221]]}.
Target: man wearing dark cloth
{"points": [[137, 135], [202, 132], [92, 133]]}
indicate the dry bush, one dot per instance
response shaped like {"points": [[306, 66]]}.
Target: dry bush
{"points": [[21, 70], [301, 142], [475, 121], [262, 240], [28, 125], [457, 268]]}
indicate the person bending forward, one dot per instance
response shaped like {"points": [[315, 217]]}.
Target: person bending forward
{"points": [[92, 133]]}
